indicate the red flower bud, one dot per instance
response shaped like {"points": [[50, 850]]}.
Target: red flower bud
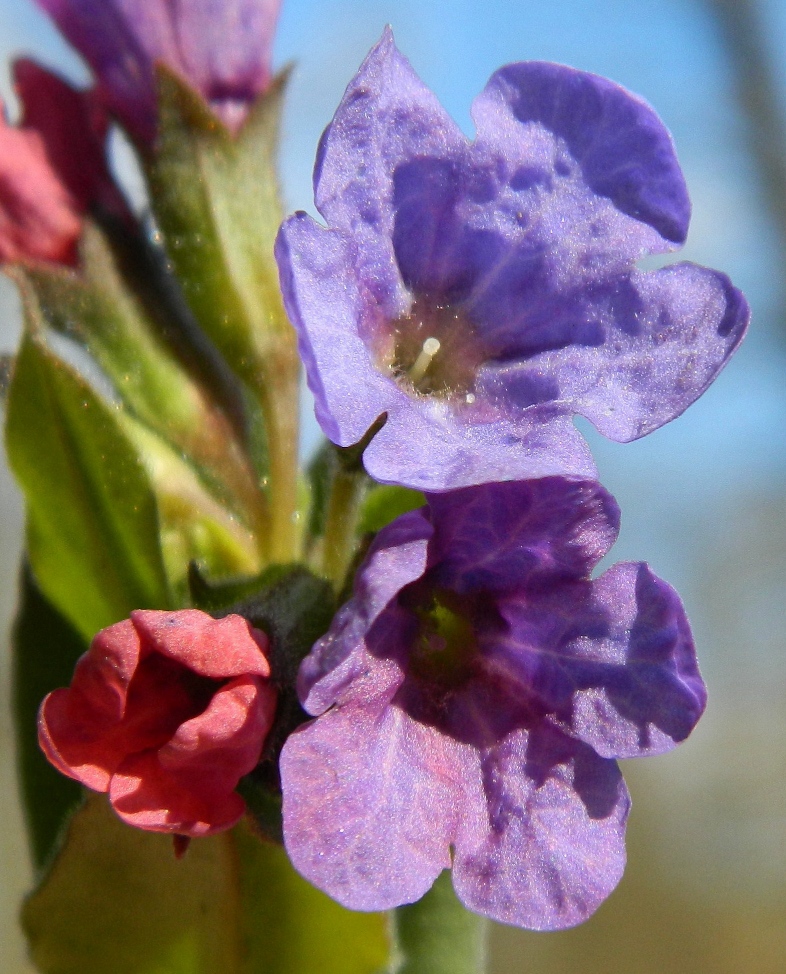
{"points": [[166, 712]]}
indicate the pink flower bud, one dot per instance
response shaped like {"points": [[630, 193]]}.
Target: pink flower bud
{"points": [[166, 712]]}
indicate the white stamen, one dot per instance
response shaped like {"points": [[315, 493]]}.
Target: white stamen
{"points": [[430, 348]]}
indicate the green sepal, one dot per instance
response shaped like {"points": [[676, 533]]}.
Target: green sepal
{"points": [[92, 522], [294, 607], [216, 200], [45, 649], [384, 503], [437, 935], [213, 596]]}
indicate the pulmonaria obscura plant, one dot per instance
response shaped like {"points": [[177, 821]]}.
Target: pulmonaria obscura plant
{"points": [[326, 669]]}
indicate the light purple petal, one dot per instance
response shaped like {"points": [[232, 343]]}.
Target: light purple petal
{"points": [[389, 796], [340, 661], [508, 536], [386, 119], [667, 335], [553, 846], [569, 131], [433, 445], [613, 659], [331, 310]]}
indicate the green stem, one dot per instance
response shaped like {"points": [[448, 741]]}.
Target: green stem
{"points": [[278, 388], [346, 495], [437, 935]]}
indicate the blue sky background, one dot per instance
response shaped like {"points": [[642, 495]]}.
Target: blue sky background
{"points": [[702, 499]]}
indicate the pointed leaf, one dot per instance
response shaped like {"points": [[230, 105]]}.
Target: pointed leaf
{"points": [[92, 521]]}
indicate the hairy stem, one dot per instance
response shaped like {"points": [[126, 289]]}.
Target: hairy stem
{"points": [[437, 935]]}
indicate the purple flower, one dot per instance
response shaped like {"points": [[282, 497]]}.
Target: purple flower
{"points": [[474, 695], [482, 293], [221, 47]]}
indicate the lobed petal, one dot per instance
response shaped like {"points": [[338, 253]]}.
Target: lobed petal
{"points": [[390, 792], [349, 659], [551, 848], [188, 785], [553, 123], [78, 726], [215, 648], [387, 120], [510, 536], [613, 659]]}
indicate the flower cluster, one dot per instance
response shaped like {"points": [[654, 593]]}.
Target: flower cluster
{"points": [[472, 697], [463, 302]]}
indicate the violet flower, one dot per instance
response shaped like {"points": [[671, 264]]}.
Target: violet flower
{"points": [[474, 695], [481, 294], [222, 48]]}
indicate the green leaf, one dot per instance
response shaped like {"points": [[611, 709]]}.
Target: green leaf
{"points": [[437, 935], [215, 197], [294, 607], [194, 526], [116, 901], [384, 504], [45, 649], [92, 524]]}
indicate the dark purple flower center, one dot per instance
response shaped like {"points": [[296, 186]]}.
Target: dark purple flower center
{"points": [[443, 649], [435, 351]]}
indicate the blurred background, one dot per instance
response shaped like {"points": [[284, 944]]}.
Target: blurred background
{"points": [[703, 500]]}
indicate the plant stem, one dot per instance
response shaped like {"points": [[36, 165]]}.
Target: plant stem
{"points": [[346, 494], [278, 389], [437, 935]]}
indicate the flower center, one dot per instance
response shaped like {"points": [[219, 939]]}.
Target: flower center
{"points": [[445, 644], [435, 351]]}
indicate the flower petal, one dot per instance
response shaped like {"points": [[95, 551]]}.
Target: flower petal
{"points": [[389, 798], [78, 725], [548, 121], [188, 785], [613, 659], [508, 536], [216, 648], [552, 846]]}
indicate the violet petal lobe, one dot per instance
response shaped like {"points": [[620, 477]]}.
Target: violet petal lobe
{"points": [[613, 659], [389, 796], [493, 285], [553, 846], [520, 533]]}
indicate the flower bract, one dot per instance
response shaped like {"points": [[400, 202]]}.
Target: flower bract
{"points": [[471, 701], [166, 712], [480, 294]]}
